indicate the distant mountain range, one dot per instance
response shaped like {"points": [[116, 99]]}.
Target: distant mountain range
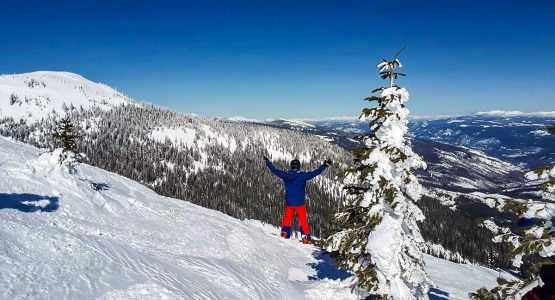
{"points": [[516, 137], [521, 139]]}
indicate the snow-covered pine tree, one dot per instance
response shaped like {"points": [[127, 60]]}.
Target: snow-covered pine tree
{"points": [[378, 237], [69, 157], [537, 240]]}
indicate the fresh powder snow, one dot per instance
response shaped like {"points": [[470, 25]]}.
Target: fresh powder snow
{"points": [[455, 281]]}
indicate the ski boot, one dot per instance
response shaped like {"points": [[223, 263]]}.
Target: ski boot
{"points": [[305, 237], [285, 232]]}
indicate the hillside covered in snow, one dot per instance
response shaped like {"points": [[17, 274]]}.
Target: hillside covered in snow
{"points": [[95, 234], [216, 164], [38, 95]]}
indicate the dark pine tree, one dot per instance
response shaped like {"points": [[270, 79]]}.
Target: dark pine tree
{"points": [[65, 132]]}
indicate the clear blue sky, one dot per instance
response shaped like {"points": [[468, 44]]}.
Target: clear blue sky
{"points": [[292, 58]]}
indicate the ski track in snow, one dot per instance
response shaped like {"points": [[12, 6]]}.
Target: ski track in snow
{"points": [[61, 239]]}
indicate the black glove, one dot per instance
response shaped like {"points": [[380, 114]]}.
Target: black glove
{"points": [[328, 163], [266, 159]]}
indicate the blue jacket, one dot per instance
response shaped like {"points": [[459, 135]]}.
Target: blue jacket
{"points": [[295, 183]]}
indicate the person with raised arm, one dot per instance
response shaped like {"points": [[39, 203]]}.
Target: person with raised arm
{"points": [[295, 183]]}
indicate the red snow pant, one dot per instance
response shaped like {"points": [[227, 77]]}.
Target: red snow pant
{"points": [[301, 214]]}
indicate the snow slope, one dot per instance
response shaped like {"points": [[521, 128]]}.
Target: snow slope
{"points": [[455, 281], [32, 96], [63, 239]]}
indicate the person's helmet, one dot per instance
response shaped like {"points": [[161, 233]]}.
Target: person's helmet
{"points": [[295, 164]]}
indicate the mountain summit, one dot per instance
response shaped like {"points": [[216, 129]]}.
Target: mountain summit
{"points": [[33, 96]]}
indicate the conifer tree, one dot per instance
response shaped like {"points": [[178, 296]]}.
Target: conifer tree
{"points": [[378, 237], [537, 240], [65, 133], [69, 156]]}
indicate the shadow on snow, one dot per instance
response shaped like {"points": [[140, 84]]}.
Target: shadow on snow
{"points": [[97, 186], [326, 268], [437, 294], [29, 202]]}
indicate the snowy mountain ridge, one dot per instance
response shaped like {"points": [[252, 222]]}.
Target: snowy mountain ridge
{"points": [[36, 95], [99, 235], [494, 113], [519, 138], [516, 113]]}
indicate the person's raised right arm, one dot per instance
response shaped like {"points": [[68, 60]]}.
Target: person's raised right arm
{"points": [[279, 173]]}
